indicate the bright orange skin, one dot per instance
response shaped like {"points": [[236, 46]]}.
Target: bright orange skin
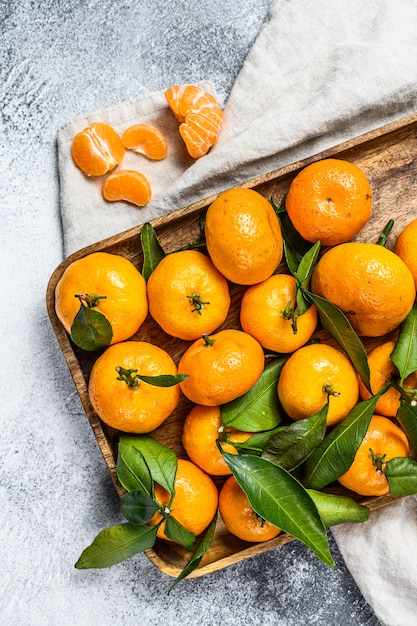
{"points": [[301, 382], [125, 305], [223, 371], [329, 200], [202, 428], [182, 274], [239, 517], [382, 369], [200, 117], [369, 283], [128, 186], [261, 315], [146, 139], [406, 248], [243, 236], [132, 410], [195, 501], [97, 149], [384, 438]]}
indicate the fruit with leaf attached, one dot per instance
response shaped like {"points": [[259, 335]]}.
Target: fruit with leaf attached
{"points": [[383, 441], [107, 283], [269, 313], [194, 504], [202, 429], [128, 386], [382, 371], [240, 518]]}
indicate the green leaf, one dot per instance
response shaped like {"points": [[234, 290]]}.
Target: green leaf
{"points": [[335, 509], [339, 327], [132, 470], [293, 445], [257, 442], [401, 474], [295, 247], [200, 242], [279, 498], [259, 408], [178, 533], [115, 544], [407, 418], [153, 252], [335, 454], [404, 355], [90, 329], [160, 459], [198, 553], [138, 508], [307, 264], [163, 380]]}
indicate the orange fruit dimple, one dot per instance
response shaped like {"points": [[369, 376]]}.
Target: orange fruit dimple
{"points": [[97, 149], [243, 236], [371, 285], [366, 474], [221, 367], [119, 285], [128, 185], [187, 295], [263, 314], [146, 139], [239, 517], [195, 501], [200, 117], [202, 428], [382, 369], [329, 200], [304, 377], [406, 247], [132, 408]]}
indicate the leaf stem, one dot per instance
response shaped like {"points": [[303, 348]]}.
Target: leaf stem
{"points": [[197, 302], [89, 299], [384, 235], [126, 376]]}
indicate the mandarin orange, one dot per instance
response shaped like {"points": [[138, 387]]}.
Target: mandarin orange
{"points": [[221, 367], [371, 285], [187, 295], [120, 398], [329, 201], [243, 236], [383, 441], [111, 284]]}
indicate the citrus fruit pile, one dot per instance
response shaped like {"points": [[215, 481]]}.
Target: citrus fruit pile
{"points": [[312, 387], [98, 149]]}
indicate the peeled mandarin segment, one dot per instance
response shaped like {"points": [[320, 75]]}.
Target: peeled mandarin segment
{"points": [[203, 126], [145, 139], [196, 145], [173, 97], [97, 149], [128, 185], [189, 96]]}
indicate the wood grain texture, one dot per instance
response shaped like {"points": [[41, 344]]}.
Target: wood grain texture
{"points": [[387, 155]]}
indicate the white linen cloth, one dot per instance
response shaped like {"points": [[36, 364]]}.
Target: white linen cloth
{"points": [[319, 73]]}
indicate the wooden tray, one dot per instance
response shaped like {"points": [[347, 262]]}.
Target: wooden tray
{"points": [[388, 156]]}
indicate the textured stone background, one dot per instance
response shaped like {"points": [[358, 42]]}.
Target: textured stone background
{"points": [[60, 59]]}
